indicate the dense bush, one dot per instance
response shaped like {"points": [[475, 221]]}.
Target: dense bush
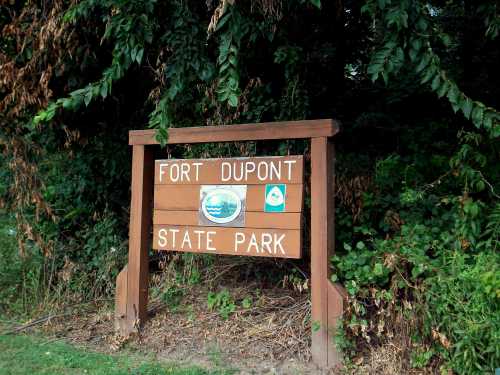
{"points": [[414, 83]]}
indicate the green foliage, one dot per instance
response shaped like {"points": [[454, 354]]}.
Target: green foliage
{"points": [[232, 27], [409, 29], [172, 296], [21, 283], [130, 25], [417, 206], [440, 264], [188, 66], [246, 303], [102, 256], [223, 302], [463, 301]]}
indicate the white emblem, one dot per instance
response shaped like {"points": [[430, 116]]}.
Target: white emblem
{"points": [[275, 197], [221, 206]]}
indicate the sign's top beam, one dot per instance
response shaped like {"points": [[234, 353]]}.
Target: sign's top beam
{"points": [[243, 132]]}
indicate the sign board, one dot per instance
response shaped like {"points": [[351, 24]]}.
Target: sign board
{"points": [[242, 206], [237, 206]]}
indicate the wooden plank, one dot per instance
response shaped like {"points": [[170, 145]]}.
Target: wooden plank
{"points": [[258, 170], [322, 242], [139, 236], [121, 300], [336, 297], [187, 198], [230, 241], [242, 132], [281, 220]]}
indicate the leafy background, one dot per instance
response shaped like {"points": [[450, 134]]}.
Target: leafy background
{"points": [[414, 83]]}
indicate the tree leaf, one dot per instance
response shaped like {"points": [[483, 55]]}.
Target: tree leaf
{"points": [[67, 103], [139, 55], [316, 3], [487, 120], [378, 269], [453, 94], [477, 115], [232, 100], [443, 89], [429, 73], [467, 107], [104, 89], [423, 63], [88, 97], [436, 82]]}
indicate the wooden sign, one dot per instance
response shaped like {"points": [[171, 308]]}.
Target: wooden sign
{"points": [[240, 206], [236, 206]]}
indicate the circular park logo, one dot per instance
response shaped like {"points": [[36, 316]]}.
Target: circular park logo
{"points": [[221, 206]]}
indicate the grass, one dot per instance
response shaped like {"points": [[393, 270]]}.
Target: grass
{"points": [[33, 355], [19, 278]]}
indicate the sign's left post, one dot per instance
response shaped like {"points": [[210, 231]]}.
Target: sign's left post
{"points": [[133, 283]]}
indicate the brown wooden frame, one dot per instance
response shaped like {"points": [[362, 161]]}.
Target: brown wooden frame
{"points": [[327, 298]]}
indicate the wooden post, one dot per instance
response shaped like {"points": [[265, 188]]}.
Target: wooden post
{"points": [[139, 238], [326, 300]]}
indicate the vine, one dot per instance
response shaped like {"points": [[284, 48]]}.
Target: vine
{"points": [[130, 23], [231, 27], [408, 31], [188, 65]]}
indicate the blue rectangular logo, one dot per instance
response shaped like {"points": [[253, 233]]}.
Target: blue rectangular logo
{"points": [[275, 198]]}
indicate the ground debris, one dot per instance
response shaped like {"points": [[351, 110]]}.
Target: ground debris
{"points": [[270, 337]]}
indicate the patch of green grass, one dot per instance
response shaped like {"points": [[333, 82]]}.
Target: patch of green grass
{"points": [[21, 286], [33, 355]]}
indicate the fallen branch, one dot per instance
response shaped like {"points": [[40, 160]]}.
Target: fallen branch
{"points": [[34, 323]]}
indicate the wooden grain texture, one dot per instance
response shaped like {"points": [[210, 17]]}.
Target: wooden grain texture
{"points": [[121, 301], [337, 296], [322, 242], [242, 132], [258, 170], [262, 220], [139, 235], [187, 198], [326, 297], [228, 241]]}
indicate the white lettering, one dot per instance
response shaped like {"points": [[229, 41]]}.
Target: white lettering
{"points": [[185, 172], [290, 162], [276, 170], [239, 238], [162, 240], [199, 233], [174, 232], [224, 166], [249, 168], [162, 172], [277, 243], [209, 241], [262, 175], [197, 168], [186, 239], [177, 174], [265, 241], [253, 242], [240, 177]]}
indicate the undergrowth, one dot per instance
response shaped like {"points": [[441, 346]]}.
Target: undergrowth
{"points": [[414, 83]]}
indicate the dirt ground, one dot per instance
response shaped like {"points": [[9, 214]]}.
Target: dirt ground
{"points": [[272, 336]]}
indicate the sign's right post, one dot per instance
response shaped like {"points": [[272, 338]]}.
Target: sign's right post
{"points": [[326, 297]]}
